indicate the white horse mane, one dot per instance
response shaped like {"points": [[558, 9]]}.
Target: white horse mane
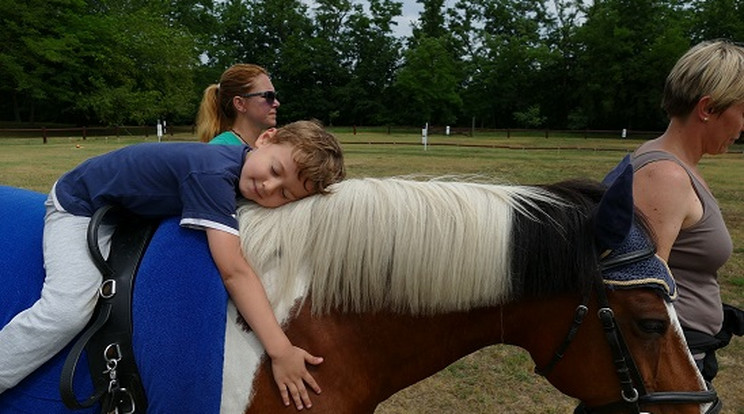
{"points": [[394, 244]]}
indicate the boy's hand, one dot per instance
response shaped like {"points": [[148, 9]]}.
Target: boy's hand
{"points": [[249, 296], [291, 374]]}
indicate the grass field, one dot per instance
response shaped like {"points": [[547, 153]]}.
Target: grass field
{"points": [[497, 379]]}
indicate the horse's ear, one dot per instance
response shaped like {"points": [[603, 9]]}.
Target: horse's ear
{"points": [[614, 215]]}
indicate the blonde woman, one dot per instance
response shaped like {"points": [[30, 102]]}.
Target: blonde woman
{"points": [[237, 109], [704, 100]]}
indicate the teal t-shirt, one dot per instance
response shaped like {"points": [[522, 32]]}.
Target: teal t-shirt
{"points": [[227, 138]]}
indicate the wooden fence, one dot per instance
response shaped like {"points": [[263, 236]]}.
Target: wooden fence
{"points": [[85, 132], [45, 133]]}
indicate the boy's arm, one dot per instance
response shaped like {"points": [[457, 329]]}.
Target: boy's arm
{"points": [[248, 294]]}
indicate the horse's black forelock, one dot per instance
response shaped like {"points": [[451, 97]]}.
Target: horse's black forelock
{"points": [[556, 253]]}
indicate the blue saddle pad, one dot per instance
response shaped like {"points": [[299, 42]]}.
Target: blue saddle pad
{"points": [[179, 313]]}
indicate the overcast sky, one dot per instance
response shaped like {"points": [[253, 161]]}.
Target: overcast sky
{"points": [[410, 14], [411, 11]]}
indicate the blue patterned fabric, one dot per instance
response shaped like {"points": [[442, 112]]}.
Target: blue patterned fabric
{"points": [[649, 272], [179, 312]]}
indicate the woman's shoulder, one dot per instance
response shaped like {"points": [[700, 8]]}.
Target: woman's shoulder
{"points": [[226, 138], [662, 172], [659, 163]]}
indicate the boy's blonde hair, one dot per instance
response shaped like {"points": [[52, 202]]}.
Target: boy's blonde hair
{"points": [[713, 68], [317, 153], [216, 111]]}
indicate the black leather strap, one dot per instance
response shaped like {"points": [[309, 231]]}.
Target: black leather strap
{"points": [[68, 369], [108, 338]]}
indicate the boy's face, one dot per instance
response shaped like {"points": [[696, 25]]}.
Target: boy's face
{"points": [[269, 175]]}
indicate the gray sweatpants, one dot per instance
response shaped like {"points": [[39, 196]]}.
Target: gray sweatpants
{"points": [[68, 298]]}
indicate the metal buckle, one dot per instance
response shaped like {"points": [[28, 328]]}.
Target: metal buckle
{"points": [[107, 290], [128, 404], [112, 352], [632, 398], [120, 404]]}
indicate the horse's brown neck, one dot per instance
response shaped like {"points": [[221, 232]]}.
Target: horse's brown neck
{"points": [[370, 357]]}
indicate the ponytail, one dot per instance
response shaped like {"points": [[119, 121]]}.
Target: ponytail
{"points": [[208, 119]]}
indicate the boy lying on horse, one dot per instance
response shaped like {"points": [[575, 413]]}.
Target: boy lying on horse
{"points": [[199, 183]]}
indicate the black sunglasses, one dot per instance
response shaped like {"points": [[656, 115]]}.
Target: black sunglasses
{"points": [[270, 96]]}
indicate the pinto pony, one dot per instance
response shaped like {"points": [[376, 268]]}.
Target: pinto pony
{"points": [[392, 280]]}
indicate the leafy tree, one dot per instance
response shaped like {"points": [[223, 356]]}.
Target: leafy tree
{"points": [[428, 83], [546, 63], [506, 55], [426, 89], [41, 56], [627, 48], [373, 55], [332, 55], [100, 62], [195, 16], [232, 30], [431, 21], [713, 19], [198, 19], [140, 67], [530, 118], [558, 82]]}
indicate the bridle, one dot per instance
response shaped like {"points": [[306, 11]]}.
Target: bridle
{"points": [[632, 388]]}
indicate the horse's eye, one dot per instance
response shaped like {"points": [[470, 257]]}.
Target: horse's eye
{"points": [[653, 326]]}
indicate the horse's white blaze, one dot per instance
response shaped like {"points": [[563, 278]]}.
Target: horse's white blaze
{"points": [[678, 330]]}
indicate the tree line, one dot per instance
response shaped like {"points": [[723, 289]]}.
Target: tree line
{"points": [[562, 64]]}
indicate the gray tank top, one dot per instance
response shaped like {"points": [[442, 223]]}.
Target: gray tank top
{"points": [[697, 254]]}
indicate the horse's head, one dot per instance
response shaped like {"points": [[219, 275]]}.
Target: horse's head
{"points": [[630, 355]]}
